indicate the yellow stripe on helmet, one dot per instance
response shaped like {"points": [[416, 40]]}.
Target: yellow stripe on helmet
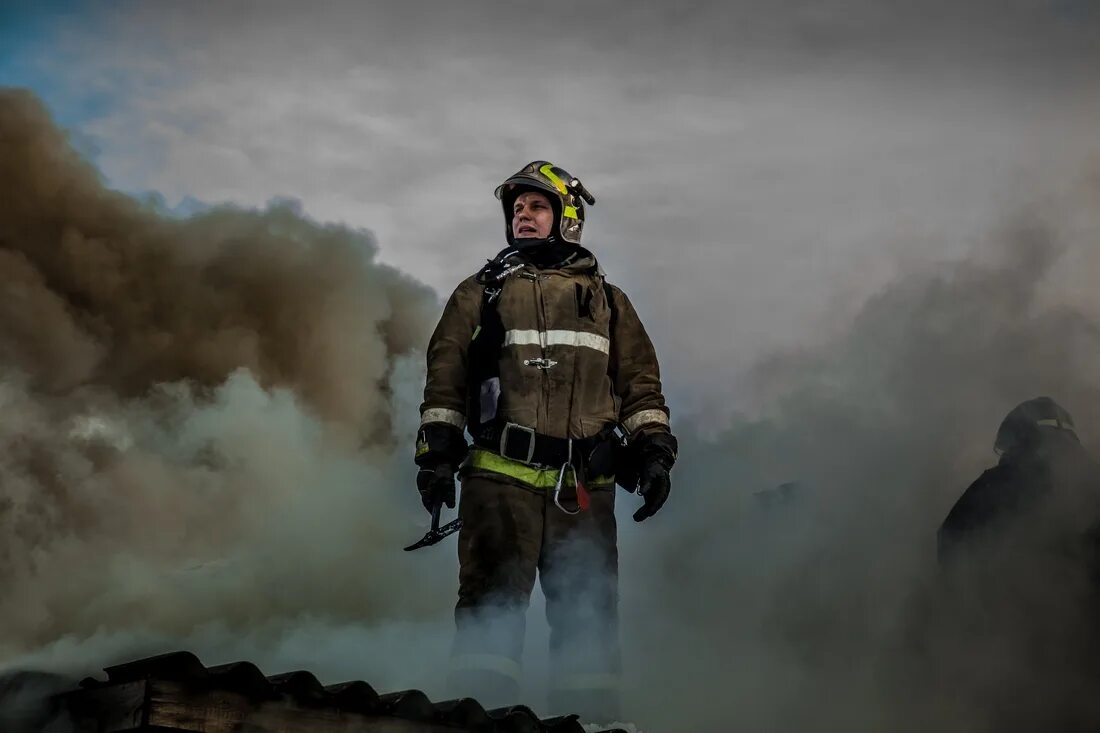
{"points": [[570, 212], [547, 170]]}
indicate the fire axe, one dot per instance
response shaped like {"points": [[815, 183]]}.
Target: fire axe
{"points": [[436, 533]]}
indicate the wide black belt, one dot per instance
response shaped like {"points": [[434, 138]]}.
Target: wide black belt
{"points": [[523, 444]]}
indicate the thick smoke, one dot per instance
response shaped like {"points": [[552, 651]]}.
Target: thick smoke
{"points": [[819, 606], [206, 423], [206, 437]]}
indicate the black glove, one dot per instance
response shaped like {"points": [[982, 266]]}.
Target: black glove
{"points": [[440, 447], [657, 453], [436, 486]]}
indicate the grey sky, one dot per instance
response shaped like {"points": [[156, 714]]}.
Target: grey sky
{"points": [[760, 168]]}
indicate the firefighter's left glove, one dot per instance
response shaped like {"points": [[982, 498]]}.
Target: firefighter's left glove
{"points": [[657, 453], [440, 448], [436, 486]]}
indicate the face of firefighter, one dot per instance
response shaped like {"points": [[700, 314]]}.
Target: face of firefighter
{"points": [[532, 216]]}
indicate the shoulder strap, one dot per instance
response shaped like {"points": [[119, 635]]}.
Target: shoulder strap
{"points": [[483, 356], [611, 306]]}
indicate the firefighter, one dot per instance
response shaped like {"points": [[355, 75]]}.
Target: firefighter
{"points": [[549, 369], [1019, 555], [1043, 468]]}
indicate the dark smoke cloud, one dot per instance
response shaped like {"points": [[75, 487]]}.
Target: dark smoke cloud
{"points": [[204, 419], [101, 293]]}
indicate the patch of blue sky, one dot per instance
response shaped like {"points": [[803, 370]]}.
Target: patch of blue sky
{"points": [[41, 42], [33, 55]]}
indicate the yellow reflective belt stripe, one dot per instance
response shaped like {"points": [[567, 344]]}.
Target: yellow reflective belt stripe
{"points": [[547, 170], [539, 478], [570, 212], [421, 449]]}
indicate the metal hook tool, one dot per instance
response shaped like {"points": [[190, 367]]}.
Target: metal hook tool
{"points": [[436, 533]]}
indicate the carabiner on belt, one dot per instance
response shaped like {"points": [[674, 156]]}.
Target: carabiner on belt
{"points": [[558, 485], [561, 479]]}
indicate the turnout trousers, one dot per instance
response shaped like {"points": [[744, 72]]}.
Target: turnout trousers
{"points": [[510, 534]]}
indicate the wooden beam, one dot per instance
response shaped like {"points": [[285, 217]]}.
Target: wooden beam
{"points": [[165, 706], [110, 709], [177, 706]]}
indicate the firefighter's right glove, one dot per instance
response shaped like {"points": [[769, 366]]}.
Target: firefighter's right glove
{"points": [[440, 448], [436, 486], [657, 453]]}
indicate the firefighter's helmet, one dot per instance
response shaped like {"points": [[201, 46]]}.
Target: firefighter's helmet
{"points": [[1024, 422], [566, 193]]}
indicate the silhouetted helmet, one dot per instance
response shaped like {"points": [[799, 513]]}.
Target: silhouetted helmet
{"points": [[564, 191], [1022, 425]]}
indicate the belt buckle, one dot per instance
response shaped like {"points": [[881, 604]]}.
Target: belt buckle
{"points": [[530, 442]]}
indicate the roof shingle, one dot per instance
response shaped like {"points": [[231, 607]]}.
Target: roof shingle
{"points": [[303, 689]]}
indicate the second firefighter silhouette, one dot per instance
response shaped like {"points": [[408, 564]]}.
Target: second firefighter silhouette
{"points": [[1041, 494], [1017, 632], [548, 367]]}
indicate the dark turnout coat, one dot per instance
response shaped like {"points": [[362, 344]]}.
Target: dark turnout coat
{"points": [[603, 368], [1046, 492]]}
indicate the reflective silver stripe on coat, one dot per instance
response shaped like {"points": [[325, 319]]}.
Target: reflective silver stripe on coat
{"points": [[442, 414], [498, 663], [531, 337], [645, 417]]}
